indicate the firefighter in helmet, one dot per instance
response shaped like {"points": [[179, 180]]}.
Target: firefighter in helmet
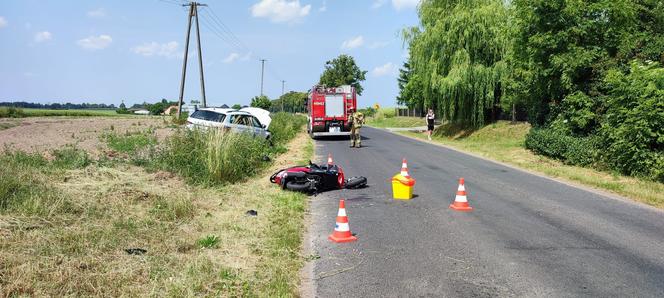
{"points": [[355, 120]]}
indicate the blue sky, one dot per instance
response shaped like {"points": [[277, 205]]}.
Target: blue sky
{"points": [[109, 51]]}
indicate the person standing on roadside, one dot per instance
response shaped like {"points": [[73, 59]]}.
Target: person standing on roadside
{"points": [[431, 117], [356, 120]]}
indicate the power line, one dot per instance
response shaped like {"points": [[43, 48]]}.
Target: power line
{"points": [[225, 28], [218, 28], [216, 32], [170, 2]]}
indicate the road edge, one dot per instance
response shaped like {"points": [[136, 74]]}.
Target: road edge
{"points": [[596, 191], [307, 282]]}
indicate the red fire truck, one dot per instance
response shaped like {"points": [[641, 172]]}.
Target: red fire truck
{"points": [[328, 109]]}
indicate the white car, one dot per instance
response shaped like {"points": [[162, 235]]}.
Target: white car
{"points": [[254, 121]]}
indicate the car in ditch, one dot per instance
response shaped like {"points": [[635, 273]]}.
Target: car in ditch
{"points": [[254, 121]]}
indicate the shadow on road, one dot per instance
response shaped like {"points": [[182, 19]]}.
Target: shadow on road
{"points": [[338, 138]]}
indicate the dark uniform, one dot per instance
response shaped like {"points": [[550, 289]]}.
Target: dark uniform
{"points": [[356, 120]]}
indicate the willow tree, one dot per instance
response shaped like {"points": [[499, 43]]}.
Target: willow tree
{"points": [[457, 55]]}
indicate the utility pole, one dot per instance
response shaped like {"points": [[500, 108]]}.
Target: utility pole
{"points": [[262, 72], [200, 54], [283, 83], [193, 12]]}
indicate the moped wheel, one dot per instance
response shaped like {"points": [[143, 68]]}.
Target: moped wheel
{"points": [[298, 186]]}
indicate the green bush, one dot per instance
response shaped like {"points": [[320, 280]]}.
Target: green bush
{"points": [[11, 112], [558, 145], [576, 114], [285, 126], [633, 129], [123, 111], [368, 111]]}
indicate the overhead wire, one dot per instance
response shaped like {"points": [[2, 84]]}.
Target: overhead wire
{"points": [[213, 16], [171, 2], [222, 29], [218, 28]]}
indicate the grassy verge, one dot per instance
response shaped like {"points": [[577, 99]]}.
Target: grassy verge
{"points": [[386, 117], [504, 142], [75, 227], [9, 112], [396, 122]]}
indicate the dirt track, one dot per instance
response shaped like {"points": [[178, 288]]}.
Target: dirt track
{"points": [[42, 134]]}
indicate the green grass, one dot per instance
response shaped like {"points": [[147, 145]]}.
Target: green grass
{"points": [[386, 117], [504, 142], [209, 241], [396, 122], [217, 156], [26, 181], [86, 214], [9, 112], [130, 142], [7, 125]]}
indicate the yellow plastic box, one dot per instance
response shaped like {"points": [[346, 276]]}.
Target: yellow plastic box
{"points": [[402, 187]]}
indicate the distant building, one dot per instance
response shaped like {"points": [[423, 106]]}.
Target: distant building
{"points": [[142, 112], [171, 110], [224, 106], [189, 108]]}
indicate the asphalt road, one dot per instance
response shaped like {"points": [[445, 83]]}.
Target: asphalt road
{"points": [[528, 236]]}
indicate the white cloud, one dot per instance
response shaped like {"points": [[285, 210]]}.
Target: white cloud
{"points": [[280, 11], [232, 57], [386, 69], [377, 45], [404, 4], [97, 13], [323, 7], [43, 36], [95, 42], [148, 49], [246, 57], [377, 4], [352, 43], [3, 22]]}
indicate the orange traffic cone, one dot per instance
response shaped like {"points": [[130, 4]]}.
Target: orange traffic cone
{"points": [[329, 159], [460, 201], [404, 168], [342, 229]]}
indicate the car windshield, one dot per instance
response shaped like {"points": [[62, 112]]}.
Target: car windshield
{"points": [[208, 116]]}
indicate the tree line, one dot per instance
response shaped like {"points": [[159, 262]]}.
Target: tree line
{"points": [[57, 106], [586, 74]]}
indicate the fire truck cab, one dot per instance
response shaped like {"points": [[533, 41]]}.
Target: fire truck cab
{"points": [[328, 110]]}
